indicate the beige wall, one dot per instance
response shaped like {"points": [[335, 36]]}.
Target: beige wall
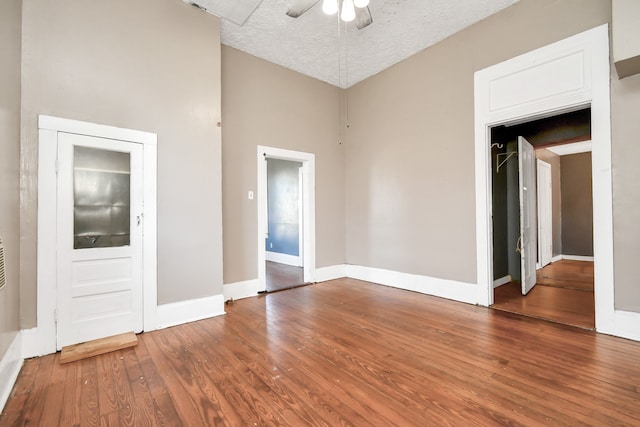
{"points": [[410, 146], [10, 11], [265, 104], [625, 104], [151, 65]]}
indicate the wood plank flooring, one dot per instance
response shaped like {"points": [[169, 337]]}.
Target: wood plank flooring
{"points": [[563, 293], [281, 276], [567, 274], [343, 352]]}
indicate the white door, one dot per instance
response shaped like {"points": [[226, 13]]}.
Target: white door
{"points": [[545, 219], [528, 228], [99, 238]]}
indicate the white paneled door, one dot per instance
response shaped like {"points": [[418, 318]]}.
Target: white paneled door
{"points": [[528, 214], [99, 238]]}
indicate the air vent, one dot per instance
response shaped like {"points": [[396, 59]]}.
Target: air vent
{"points": [[3, 277]]}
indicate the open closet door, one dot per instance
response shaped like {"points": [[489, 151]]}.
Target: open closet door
{"points": [[528, 214]]}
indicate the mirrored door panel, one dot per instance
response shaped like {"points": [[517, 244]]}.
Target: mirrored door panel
{"points": [[101, 198]]}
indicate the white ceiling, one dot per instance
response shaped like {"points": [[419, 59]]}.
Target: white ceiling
{"points": [[321, 47]]}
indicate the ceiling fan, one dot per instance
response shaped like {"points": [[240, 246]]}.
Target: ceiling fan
{"points": [[351, 10]]}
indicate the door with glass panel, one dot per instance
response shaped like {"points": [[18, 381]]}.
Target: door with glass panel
{"points": [[99, 238]]}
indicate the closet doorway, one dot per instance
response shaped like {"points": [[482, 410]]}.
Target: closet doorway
{"points": [[561, 247]]}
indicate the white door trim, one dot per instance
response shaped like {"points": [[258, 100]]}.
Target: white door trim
{"points": [[308, 209], [42, 339], [563, 76], [545, 223]]}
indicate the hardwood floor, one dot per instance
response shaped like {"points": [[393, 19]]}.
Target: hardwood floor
{"points": [[567, 274], [281, 276], [563, 293], [343, 352]]}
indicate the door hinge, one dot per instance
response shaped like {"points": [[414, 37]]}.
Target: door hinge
{"points": [[56, 166], [55, 315]]}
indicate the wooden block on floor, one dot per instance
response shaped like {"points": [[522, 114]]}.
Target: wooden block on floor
{"points": [[84, 350]]}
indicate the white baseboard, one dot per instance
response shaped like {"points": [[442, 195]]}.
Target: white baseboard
{"points": [[330, 273], [450, 289], [556, 258], [577, 258], [626, 325], [181, 312], [293, 260], [239, 290], [10, 365], [502, 281], [38, 341]]}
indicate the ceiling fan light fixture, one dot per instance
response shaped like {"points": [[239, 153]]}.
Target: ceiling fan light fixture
{"points": [[330, 7], [348, 13], [360, 3]]}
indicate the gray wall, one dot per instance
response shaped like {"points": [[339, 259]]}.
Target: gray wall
{"points": [[10, 11], [265, 104], [283, 198], [151, 65], [556, 198], [410, 146], [577, 204]]}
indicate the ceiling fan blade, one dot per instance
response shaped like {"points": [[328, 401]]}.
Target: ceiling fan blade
{"points": [[300, 6], [363, 17]]}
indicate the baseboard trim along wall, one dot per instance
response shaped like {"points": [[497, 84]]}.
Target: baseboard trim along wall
{"points": [[239, 290], [283, 258], [502, 281], [332, 272], [626, 325], [577, 258], [571, 258], [181, 312], [450, 289], [38, 341], [10, 365]]}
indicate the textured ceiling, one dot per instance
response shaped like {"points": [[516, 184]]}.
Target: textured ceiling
{"points": [[322, 47], [236, 11]]}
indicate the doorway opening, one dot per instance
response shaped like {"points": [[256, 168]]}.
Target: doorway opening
{"points": [[284, 236], [543, 228], [286, 218]]}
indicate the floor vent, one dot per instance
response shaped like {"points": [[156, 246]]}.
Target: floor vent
{"points": [[3, 277]]}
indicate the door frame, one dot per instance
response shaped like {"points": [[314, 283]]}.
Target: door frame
{"points": [[564, 76], [42, 339], [308, 209], [544, 194]]}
